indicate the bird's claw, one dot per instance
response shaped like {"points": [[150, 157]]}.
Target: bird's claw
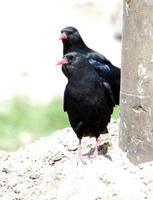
{"points": [[81, 157], [94, 155], [83, 161]]}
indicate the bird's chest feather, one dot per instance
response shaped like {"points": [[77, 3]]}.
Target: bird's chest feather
{"points": [[84, 98]]}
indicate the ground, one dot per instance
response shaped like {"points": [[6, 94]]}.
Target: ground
{"points": [[49, 170]]}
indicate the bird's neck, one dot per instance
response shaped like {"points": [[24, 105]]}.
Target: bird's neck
{"points": [[66, 45], [76, 46], [79, 45]]}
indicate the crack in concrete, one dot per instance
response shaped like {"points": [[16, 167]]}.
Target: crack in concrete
{"points": [[139, 108]]}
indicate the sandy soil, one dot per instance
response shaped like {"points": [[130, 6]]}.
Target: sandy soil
{"points": [[49, 170]]}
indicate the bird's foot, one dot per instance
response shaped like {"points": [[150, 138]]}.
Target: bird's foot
{"points": [[82, 159], [95, 154]]}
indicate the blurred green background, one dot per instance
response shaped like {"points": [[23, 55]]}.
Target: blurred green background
{"points": [[22, 121]]}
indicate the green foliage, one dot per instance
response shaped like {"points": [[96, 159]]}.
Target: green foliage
{"points": [[22, 121], [115, 114]]}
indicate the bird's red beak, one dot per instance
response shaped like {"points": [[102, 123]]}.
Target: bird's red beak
{"points": [[62, 62], [63, 36]]}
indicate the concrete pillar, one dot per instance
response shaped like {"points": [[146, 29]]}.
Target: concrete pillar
{"points": [[136, 102]]}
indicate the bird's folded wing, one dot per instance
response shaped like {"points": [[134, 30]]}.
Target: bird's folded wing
{"points": [[109, 93]]}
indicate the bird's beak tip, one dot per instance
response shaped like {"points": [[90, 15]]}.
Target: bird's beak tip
{"points": [[63, 36], [62, 62]]}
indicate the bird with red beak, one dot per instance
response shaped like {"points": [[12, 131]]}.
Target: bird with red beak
{"points": [[73, 42], [88, 99]]}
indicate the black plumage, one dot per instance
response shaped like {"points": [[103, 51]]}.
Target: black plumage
{"points": [[72, 42], [88, 98]]}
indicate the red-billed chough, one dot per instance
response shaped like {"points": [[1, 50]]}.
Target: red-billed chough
{"points": [[72, 42], [88, 98]]}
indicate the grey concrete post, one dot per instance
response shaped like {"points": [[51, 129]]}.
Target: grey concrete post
{"points": [[136, 102]]}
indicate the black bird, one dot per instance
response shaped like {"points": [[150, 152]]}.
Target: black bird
{"points": [[88, 98], [72, 42]]}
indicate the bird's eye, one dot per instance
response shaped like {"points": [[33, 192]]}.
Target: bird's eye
{"points": [[71, 57]]}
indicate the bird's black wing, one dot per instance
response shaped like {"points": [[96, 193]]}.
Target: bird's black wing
{"points": [[103, 66], [109, 94], [99, 61], [106, 70]]}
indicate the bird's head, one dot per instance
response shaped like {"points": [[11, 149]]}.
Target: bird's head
{"points": [[73, 65], [70, 34]]}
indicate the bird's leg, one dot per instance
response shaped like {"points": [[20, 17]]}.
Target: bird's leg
{"points": [[95, 154], [80, 153]]}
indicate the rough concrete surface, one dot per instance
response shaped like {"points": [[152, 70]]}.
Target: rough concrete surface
{"points": [[136, 105], [49, 169]]}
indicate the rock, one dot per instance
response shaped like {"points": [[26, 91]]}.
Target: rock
{"points": [[5, 170], [48, 170], [57, 156], [72, 147], [140, 167], [34, 176]]}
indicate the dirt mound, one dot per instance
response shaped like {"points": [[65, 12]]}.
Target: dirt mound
{"points": [[49, 170]]}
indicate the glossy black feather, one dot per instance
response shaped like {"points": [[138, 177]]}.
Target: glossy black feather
{"points": [[88, 98], [102, 65]]}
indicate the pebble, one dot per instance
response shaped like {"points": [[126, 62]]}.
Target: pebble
{"points": [[57, 156], [34, 176], [148, 181], [72, 147]]}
